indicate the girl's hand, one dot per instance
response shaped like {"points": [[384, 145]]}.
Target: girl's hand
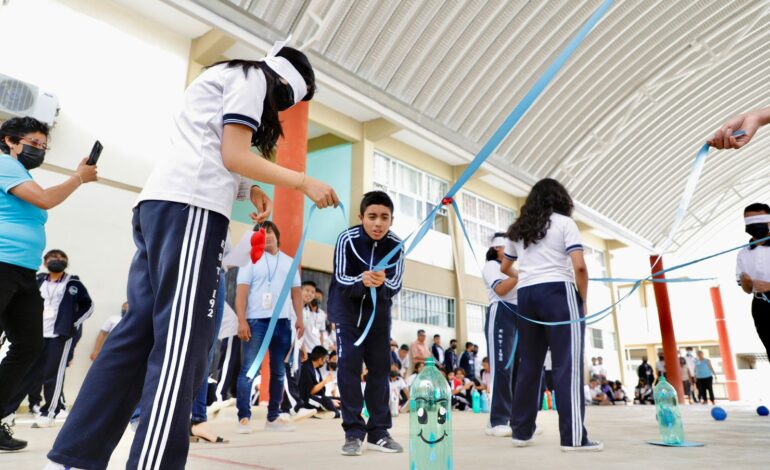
{"points": [[262, 203], [319, 192]]}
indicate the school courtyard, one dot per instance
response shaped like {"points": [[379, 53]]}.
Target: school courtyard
{"points": [[742, 442]]}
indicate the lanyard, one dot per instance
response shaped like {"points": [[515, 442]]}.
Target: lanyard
{"points": [[269, 273]]}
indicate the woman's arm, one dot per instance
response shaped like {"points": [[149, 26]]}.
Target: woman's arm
{"points": [[581, 274], [99, 343], [238, 157], [34, 194]]}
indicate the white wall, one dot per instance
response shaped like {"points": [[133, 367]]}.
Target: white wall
{"points": [[119, 78]]}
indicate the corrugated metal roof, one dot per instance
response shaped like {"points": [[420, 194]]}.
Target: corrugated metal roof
{"points": [[620, 125]]}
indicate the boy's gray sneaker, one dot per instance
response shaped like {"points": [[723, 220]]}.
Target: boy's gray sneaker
{"points": [[386, 444], [352, 446]]}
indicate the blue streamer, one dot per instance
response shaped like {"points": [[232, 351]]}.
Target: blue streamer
{"points": [[513, 351], [505, 128], [285, 290]]}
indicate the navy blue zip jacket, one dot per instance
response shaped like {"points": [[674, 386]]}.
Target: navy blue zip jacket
{"points": [[350, 302], [75, 307]]}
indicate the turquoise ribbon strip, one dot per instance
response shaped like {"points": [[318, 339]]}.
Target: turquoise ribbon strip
{"points": [[285, 291], [505, 128]]}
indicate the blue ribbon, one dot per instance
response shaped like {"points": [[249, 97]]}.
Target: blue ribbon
{"points": [[285, 290], [505, 128]]}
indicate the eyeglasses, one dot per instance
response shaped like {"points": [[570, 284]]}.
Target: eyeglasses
{"points": [[36, 143]]}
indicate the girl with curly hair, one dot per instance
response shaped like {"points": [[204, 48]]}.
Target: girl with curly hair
{"points": [[552, 287]]}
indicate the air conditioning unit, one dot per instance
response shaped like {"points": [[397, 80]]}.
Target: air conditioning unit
{"points": [[19, 98]]}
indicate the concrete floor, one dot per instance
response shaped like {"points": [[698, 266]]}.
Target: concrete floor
{"points": [[740, 442]]}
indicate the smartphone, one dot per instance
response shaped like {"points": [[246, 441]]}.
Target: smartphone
{"points": [[96, 150]]}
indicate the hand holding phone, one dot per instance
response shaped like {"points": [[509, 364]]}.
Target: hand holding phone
{"points": [[96, 151]]}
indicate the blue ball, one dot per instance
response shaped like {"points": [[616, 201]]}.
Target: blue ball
{"points": [[763, 411], [718, 413]]}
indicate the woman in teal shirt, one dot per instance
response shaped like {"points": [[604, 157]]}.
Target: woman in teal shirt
{"points": [[704, 378], [23, 205]]}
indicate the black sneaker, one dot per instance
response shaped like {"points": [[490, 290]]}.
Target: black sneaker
{"points": [[7, 442], [387, 445], [352, 447]]}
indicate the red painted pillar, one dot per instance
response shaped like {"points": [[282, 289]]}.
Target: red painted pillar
{"points": [[288, 203], [728, 365], [670, 352]]}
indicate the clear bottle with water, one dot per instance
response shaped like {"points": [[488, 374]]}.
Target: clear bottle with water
{"points": [[669, 418], [430, 421]]}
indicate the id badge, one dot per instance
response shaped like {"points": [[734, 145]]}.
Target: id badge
{"points": [[267, 300]]}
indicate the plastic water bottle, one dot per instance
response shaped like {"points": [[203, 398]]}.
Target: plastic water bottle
{"points": [[476, 401], [484, 402], [430, 421], [669, 418]]}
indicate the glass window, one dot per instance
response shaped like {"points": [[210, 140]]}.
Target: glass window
{"points": [[414, 192], [483, 218], [419, 307], [476, 313], [596, 338]]}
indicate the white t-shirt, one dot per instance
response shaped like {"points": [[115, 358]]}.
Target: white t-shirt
{"points": [[591, 394], [265, 280], [599, 370], [755, 263], [397, 386], [111, 323], [547, 260], [492, 277], [52, 293], [193, 172], [315, 324], [661, 366], [690, 360], [229, 326]]}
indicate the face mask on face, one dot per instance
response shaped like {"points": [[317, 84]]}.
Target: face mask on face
{"points": [[332, 366], [56, 266], [284, 97], [758, 231], [123, 311], [31, 157]]}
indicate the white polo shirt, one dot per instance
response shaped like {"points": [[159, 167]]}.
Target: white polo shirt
{"points": [[315, 324], [265, 280], [194, 173], [492, 277], [755, 263], [547, 260]]}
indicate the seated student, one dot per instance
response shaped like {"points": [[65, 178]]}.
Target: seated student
{"points": [[618, 394], [398, 388], [594, 395], [643, 393], [417, 369], [312, 384], [461, 390], [606, 389]]}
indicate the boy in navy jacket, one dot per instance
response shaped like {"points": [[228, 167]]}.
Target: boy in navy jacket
{"points": [[358, 250]]}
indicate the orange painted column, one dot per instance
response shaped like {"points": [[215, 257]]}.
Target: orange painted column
{"points": [[728, 365], [670, 351], [288, 203]]}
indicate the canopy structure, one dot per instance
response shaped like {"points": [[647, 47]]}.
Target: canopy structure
{"points": [[621, 124]]}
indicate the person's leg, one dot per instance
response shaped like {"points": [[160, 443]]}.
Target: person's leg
{"points": [[566, 342], [532, 346], [245, 384], [34, 376], [701, 391], [709, 382], [199, 403], [55, 366], [227, 351], [21, 318], [377, 394], [111, 390], [760, 311], [186, 253], [501, 330], [279, 347], [349, 362], [35, 390]]}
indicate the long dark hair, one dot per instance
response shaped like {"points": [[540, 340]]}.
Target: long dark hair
{"points": [[266, 136], [547, 196]]}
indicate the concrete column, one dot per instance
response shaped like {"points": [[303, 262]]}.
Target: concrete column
{"points": [[670, 352], [728, 365]]}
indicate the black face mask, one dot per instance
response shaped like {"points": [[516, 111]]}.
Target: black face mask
{"points": [[123, 311], [314, 303], [31, 157], [56, 266], [332, 366], [758, 231], [283, 96]]}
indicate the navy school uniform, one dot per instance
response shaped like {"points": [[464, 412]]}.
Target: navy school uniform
{"points": [[547, 292], [501, 333], [350, 307], [157, 356], [468, 364], [450, 360], [47, 374]]}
